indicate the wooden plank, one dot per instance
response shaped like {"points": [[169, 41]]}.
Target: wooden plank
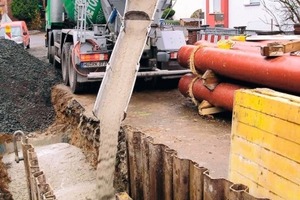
{"points": [[265, 143], [205, 108], [262, 176], [273, 103], [256, 152], [280, 48], [270, 124], [210, 79], [255, 189]]}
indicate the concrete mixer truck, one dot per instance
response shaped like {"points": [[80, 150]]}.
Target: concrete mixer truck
{"points": [[81, 35]]}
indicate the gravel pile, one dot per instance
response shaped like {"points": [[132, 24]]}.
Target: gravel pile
{"points": [[25, 90]]}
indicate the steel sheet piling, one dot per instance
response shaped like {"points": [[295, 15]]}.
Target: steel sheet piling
{"points": [[135, 164], [156, 171], [146, 168], [215, 189], [181, 177], [196, 181], [168, 156]]}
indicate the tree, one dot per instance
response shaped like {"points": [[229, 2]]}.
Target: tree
{"points": [[284, 12], [25, 9], [196, 14], [168, 13]]}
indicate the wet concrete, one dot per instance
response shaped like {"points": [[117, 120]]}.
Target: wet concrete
{"points": [[66, 170]]}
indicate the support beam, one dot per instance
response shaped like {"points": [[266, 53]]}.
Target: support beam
{"points": [[278, 49]]}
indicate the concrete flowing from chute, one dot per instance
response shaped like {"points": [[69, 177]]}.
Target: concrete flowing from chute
{"points": [[117, 85]]}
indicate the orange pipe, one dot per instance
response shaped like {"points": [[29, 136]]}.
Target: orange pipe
{"points": [[183, 84], [238, 45], [222, 96], [184, 53], [280, 72], [187, 50]]}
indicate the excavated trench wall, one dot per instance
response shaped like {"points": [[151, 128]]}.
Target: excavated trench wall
{"points": [[144, 170]]}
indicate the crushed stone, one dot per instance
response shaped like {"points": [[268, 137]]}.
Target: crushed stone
{"points": [[25, 85]]}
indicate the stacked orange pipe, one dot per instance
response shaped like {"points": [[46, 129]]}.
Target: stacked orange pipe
{"points": [[186, 51], [243, 63], [279, 73]]}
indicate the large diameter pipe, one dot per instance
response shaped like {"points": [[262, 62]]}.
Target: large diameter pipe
{"points": [[183, 56], [185, 52], [238, 45], [222, 96], [280, 72], [184, 84]]}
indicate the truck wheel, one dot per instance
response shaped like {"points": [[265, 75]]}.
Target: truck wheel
{"points": [[75, 86], [65, 60], [50, 52], [55, 63]]}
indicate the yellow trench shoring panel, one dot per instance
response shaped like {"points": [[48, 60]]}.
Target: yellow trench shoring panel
{"points": [[265, 143]]}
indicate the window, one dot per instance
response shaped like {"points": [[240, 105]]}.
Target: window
{"points": [[251, 2], [214, 6]]}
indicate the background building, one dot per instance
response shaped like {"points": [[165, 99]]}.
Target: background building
{"points": [[230, 13]]}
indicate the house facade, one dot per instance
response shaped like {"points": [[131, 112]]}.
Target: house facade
{"points": [[230, 13], [185, 8]]}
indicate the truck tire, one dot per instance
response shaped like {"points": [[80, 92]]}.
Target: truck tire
{"points": [[50, 52], [56, 64], [65, 60], [75, 86]]}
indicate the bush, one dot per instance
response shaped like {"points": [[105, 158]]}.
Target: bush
{"points": [[168, 13], [36, 22], [25, 9]]}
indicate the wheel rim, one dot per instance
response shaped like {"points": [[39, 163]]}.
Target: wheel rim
{"points": [[64, 66], [72, 75]]}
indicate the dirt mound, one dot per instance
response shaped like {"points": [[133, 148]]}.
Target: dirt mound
{"points": [[25, 89]]}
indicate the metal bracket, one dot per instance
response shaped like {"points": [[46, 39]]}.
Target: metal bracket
{"points": [[19, 136]]}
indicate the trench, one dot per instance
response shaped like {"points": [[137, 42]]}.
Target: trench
{"points": [[146, 167]]}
